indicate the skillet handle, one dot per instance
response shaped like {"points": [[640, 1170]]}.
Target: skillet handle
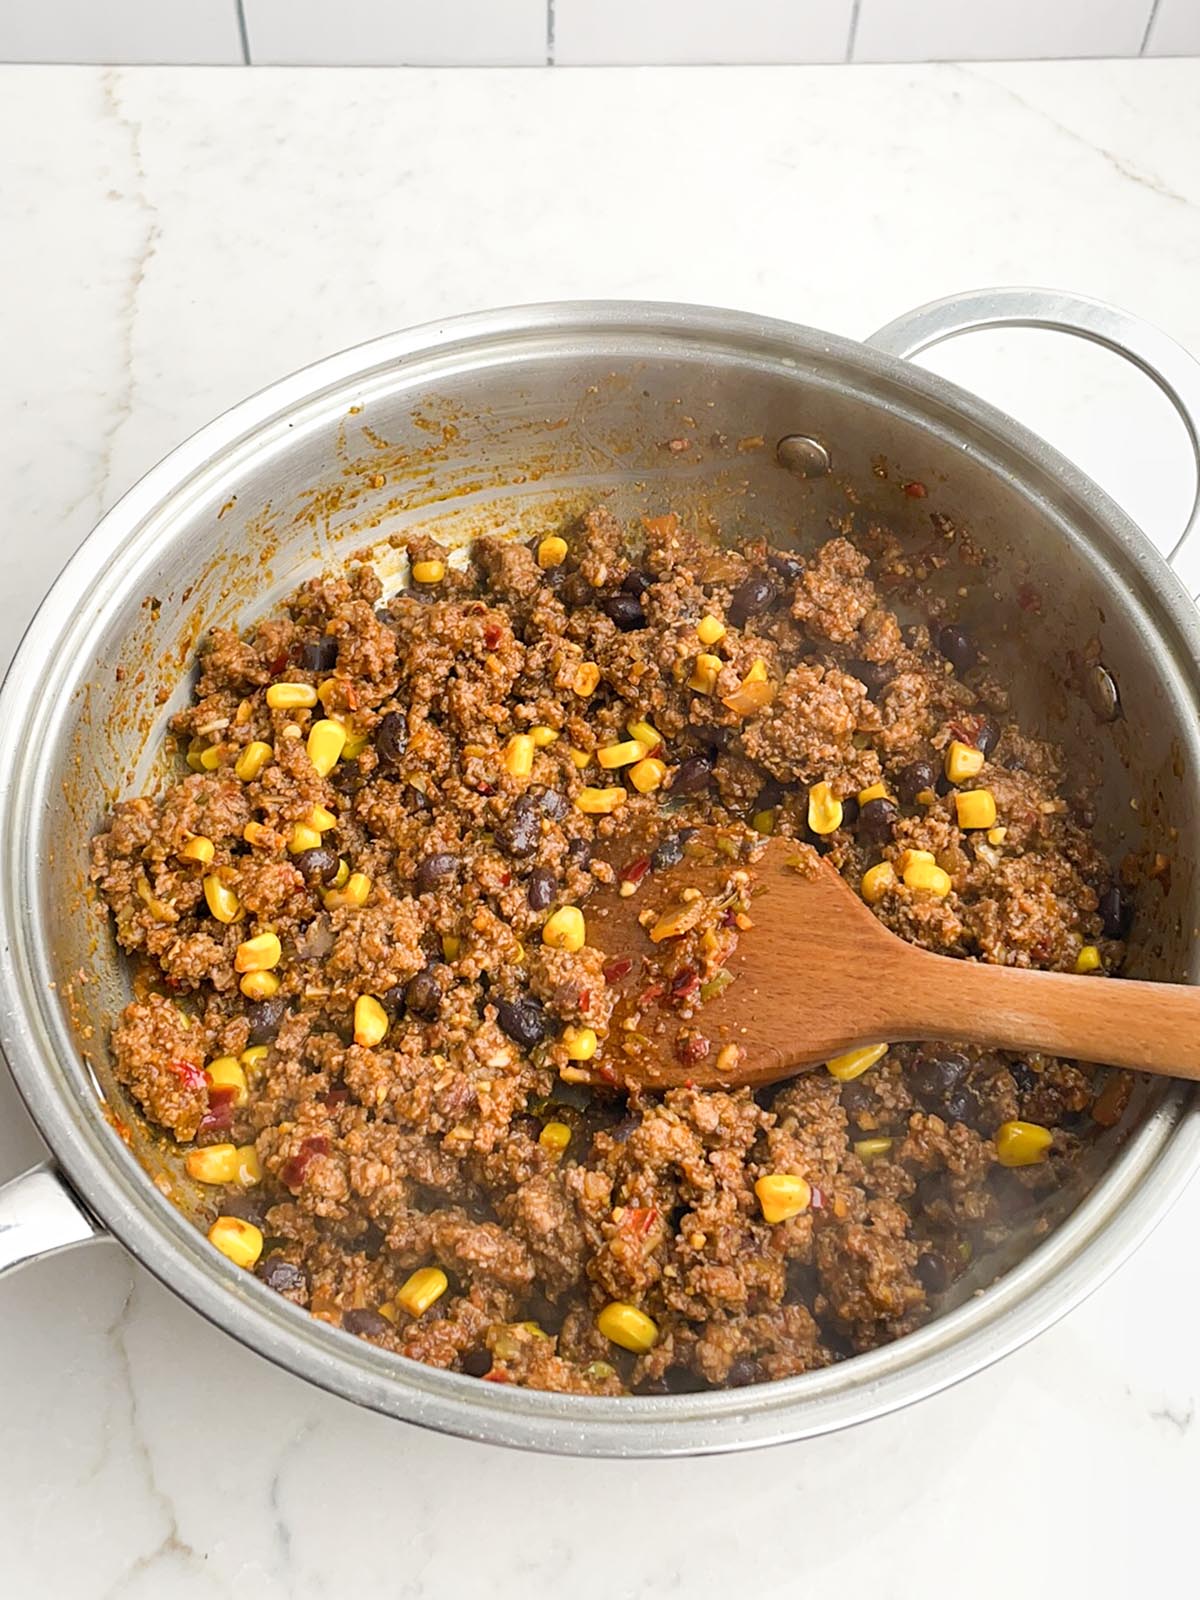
{"points": [[1175, 372], [39, 1216]]}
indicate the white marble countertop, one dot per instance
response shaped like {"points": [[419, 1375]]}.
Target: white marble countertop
{"points": [[175, 239]]}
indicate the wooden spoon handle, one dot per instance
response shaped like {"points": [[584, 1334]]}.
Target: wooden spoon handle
{"points": [[1148, 1027]]}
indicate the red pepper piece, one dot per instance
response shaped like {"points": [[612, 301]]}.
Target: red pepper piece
{"points": [[636, 871], [191, 1077], [915, 491], [492, 634], [219, 1115], [296, 1166], [618, 969]]}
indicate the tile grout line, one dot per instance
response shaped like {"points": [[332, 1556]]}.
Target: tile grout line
{"points": [[242, 33], [1149, 26], [852, 36], [549, 33]]}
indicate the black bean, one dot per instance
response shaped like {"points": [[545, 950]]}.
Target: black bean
{"points": [[518, 832], [392, 1000], [934, 1075], [553, 577], [423, 996], [693, 776], [873, 675], [789, 568], [667, 854], [543, 886], [988, 736], [653, 1386], [1023, 1076], [265, 1018], [637, 583], [751, 598], [477, 1363], [877, 820], [850, 811], [1116, 911], [957, 646], [249, 1207], [625, 610], [554, 803], [320, 655], [433, 868], [415, 799], [620, 1131], [934, 1273], [347, 777], [962, 1105], [391, 738], [281, 1275], [576, 590], [579, 852], [712, 738], [317, 866], [771, 793], [523, 1020], [914, 779], [365, 1321], [742, 1373]]}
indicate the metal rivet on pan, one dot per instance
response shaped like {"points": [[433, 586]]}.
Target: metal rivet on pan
{"points": [[803, 456], [1100, 691]]}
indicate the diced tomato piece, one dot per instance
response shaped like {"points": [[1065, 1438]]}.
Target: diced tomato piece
{"points": [[915, 491], [618, 969], [296, 1166], [219, 1115], [191, 1077]]}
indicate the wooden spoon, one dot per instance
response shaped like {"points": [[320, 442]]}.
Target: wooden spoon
{"points": [[815, 974]]}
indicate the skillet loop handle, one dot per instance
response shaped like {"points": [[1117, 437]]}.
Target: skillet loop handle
{"points": [[1175, 372], [39, 1216]]}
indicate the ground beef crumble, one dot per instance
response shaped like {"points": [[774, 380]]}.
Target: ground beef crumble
{"points": [[428, 864]]}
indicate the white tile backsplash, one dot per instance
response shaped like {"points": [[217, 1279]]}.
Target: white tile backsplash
{"points": [[1175, 30], [120, 31], [998, 30], [397, 32], [628, 32]]}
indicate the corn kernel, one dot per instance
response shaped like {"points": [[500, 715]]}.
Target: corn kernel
{"points": [[587, 678], [222, 901], [580, 1043], [878, 881], [611, 756], [428, 571], [928, 875], [252, 760], [581, 758], [249, 1168], [451, 945], [555, 1136], [291, 696], [243, 713], [253, 1057], [855, 1062], [644, 732], [705, 673], [326, 741], [874, 791], [241, 1241], [321, 819], [542, 736], [256, 833], [216, 1163], [342, 874], [625, 1325], [421, 1289], [227, 1072], [210, 759], [518, 755], [963, 761], [302, 838], [354, 746], [355, 893], [565, 929], [782, 1195], [1021, 1144], [370, 1021], [599, 802], [907, 857], [551, 552], [259, 954], [259, 985], [1088, 959], [199, 849], [870, 1149], [757, 672], [710, 629], [824, 809], [976, 808], [997, 835], [648, 774], [194, 761]]}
